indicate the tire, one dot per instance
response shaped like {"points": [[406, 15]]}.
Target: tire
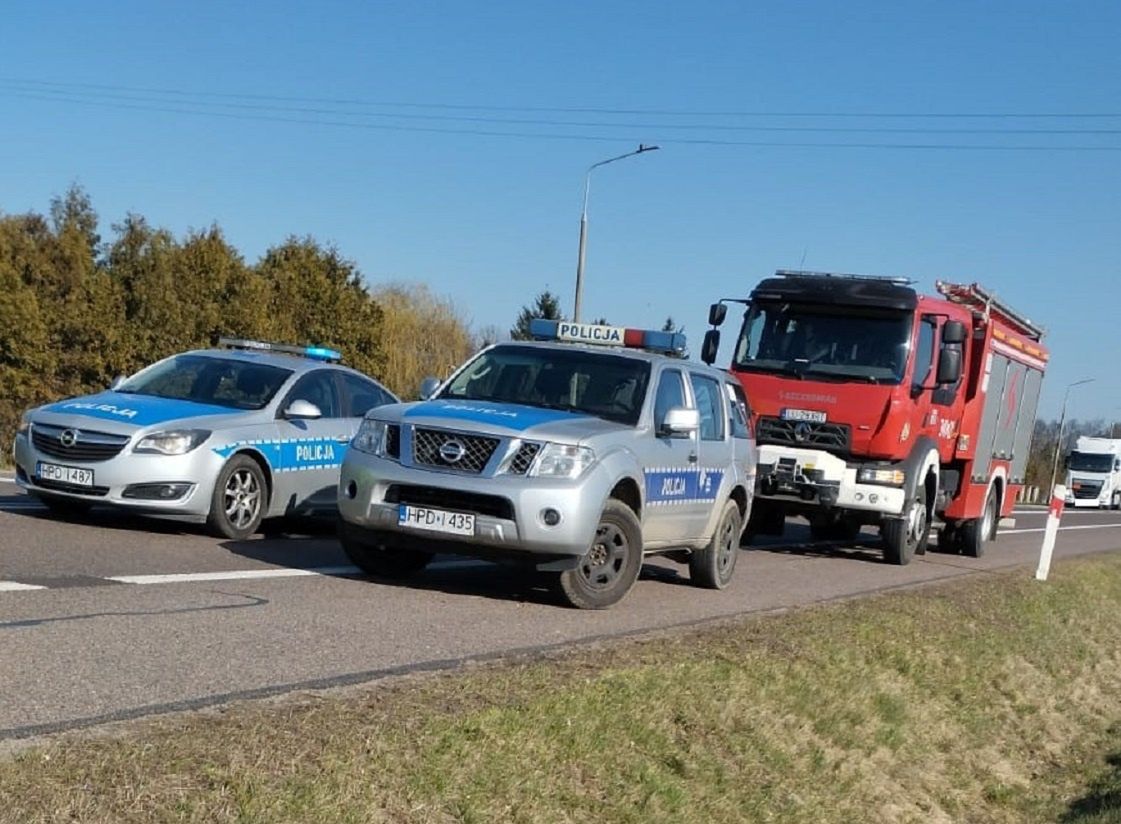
{"points": [[977, 532], [381, 560], [834, 526], [611, 566], [1115, 502], [239, 500], [65, 508], [949, 539], [906, 537], [712, 567]]}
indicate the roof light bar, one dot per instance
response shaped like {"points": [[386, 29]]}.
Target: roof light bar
{"points": [[672, 343], [798, 273], [314, 352]]}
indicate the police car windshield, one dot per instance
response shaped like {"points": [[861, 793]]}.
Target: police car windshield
{"points": [[219, 381], [824, 342], [604, 385]]}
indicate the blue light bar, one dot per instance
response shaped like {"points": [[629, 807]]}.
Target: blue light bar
{"points": [[314, 352], [672, 343]]}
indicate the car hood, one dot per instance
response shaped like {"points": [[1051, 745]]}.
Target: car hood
{"points": [[122, 413], [509, 420]]}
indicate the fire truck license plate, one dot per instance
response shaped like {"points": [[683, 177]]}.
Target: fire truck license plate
{"points": [[807, 415]]}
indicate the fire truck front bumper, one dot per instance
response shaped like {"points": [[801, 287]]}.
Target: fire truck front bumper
{"points": [[816, 478]]}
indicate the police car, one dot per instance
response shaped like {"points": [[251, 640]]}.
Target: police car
{"points": [[226, 436], [578, 453]]}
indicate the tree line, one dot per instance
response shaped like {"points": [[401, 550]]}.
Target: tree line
{"points": [[77, 310]]}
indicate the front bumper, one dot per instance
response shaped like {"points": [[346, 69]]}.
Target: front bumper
{"points": [[813, 477], [113, 478], [508, 509]]}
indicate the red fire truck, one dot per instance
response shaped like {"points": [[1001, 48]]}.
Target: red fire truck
{"points": [[873, 404]]}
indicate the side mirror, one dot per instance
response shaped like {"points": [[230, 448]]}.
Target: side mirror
{"points": [[117, 381], [300, 409], [680, 422], [428, 388], [953, 331], [949, 366], [716, 314], [711, 345]]}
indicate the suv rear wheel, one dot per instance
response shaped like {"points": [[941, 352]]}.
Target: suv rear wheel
{"points": [[712, 567], [380, 559]]}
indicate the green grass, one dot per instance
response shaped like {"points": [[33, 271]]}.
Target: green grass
{"points": [[992, 700]]}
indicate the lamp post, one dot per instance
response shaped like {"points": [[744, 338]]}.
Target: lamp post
{"points": [[642, 148], [1062, 421]]}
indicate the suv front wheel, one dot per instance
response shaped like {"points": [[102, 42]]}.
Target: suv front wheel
{"points": [[611, 566]]}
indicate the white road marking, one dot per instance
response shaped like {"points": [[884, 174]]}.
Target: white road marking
{"points": [[15, 586], [1066, 512], [1061, 529], [11, 481], [231, 575]]}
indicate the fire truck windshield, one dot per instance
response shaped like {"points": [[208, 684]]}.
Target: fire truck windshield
{"points": [[824, 342]]}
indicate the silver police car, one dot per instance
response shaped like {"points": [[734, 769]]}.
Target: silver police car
{"points": [[222, 436], [577, 453]]}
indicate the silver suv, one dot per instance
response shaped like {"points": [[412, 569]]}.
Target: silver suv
{"points": [[577, 453]]}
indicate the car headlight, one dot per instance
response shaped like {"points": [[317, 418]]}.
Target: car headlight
{"points": [[24, 423], [558, 460], [885, 477], [177, 442], [370, 437]]}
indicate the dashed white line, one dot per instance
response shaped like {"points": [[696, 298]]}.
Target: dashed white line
{"points": [[1061, 528], [15, 586]]}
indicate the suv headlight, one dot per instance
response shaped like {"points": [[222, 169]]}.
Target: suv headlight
{"points": [[886, 477], [558, 460], [24, 423], [175, 442], [370, 437]]}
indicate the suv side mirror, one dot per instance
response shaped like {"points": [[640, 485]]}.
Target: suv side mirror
{"points": [[300, 409], [949, 366], [716, 314], [953, 331], [710, 346], [680, 422], [428, 388]]}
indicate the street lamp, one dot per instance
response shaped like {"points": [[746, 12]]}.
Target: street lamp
{"points": [[1062, 421], [642, 147]]}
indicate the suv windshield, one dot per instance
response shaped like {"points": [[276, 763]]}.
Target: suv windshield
{"points": [[824, 342], [1091, 462], [220, 381], [576, 380]]}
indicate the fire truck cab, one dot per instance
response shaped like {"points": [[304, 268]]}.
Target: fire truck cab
{"points": [[873, 404]]}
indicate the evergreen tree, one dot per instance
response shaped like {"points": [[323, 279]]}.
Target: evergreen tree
{"points": [[545, 305]]}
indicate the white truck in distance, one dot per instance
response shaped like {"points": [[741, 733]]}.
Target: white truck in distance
{"points": [[1094, 473]]}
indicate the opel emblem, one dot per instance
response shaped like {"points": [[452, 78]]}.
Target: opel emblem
{"points": [[68, 438], [452, 451], [802, 431]]}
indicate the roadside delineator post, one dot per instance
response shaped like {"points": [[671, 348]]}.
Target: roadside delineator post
{"points": [[1054, 512]]}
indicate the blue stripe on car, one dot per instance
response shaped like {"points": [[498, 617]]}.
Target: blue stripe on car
{"points": [[141, 410]]}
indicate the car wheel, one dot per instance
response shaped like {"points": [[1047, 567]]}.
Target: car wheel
{"points": [[976, 533], [712, 567], [380, 559], [907, 536], [239, 499], [611, 566]]}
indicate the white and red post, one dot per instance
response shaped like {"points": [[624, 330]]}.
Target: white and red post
{"points": [[1054, 513]]}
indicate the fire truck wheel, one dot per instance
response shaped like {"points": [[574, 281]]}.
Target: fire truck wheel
{"points": [[712, 566], [611, 566], [382, 560], [976, 533], [907, 536], [834, 527]]}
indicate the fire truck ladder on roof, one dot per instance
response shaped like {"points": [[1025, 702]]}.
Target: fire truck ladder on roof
{"points": [[981, 300]]}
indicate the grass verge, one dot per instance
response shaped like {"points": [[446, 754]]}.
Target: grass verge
{"points": [[988, 700]]}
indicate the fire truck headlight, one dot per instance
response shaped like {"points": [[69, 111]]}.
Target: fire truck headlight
{"points": [[884, 477]]}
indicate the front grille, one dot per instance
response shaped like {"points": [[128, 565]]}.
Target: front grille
{"points": [[1086, 490], [831, 437], [476, 450], [393, 441], [523, 458], [453, 499], [88, 446], [91, 491]]}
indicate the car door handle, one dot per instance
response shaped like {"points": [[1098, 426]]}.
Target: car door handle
{"points": [[692, 457], [342, 438]]}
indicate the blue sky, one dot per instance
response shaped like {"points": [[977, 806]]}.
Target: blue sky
{"points": [[491, 220]]}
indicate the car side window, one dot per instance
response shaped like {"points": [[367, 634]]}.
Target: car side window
{"points": [[671, 393], [317, 388], [362, 396], [738, 412], [924, 353], [710, 403]]}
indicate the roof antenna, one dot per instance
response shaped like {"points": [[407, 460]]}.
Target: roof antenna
{"points": [[802, 262]]}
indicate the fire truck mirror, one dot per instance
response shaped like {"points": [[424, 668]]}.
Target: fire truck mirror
{"points": [[710, 346], [953, 332], [716, 314], [949, 366]]}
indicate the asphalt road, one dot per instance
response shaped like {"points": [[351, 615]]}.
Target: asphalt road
{"points": [[112, 618]]}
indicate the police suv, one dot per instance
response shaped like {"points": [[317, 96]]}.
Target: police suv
{"points": [[226, 436], [577, 453]]}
